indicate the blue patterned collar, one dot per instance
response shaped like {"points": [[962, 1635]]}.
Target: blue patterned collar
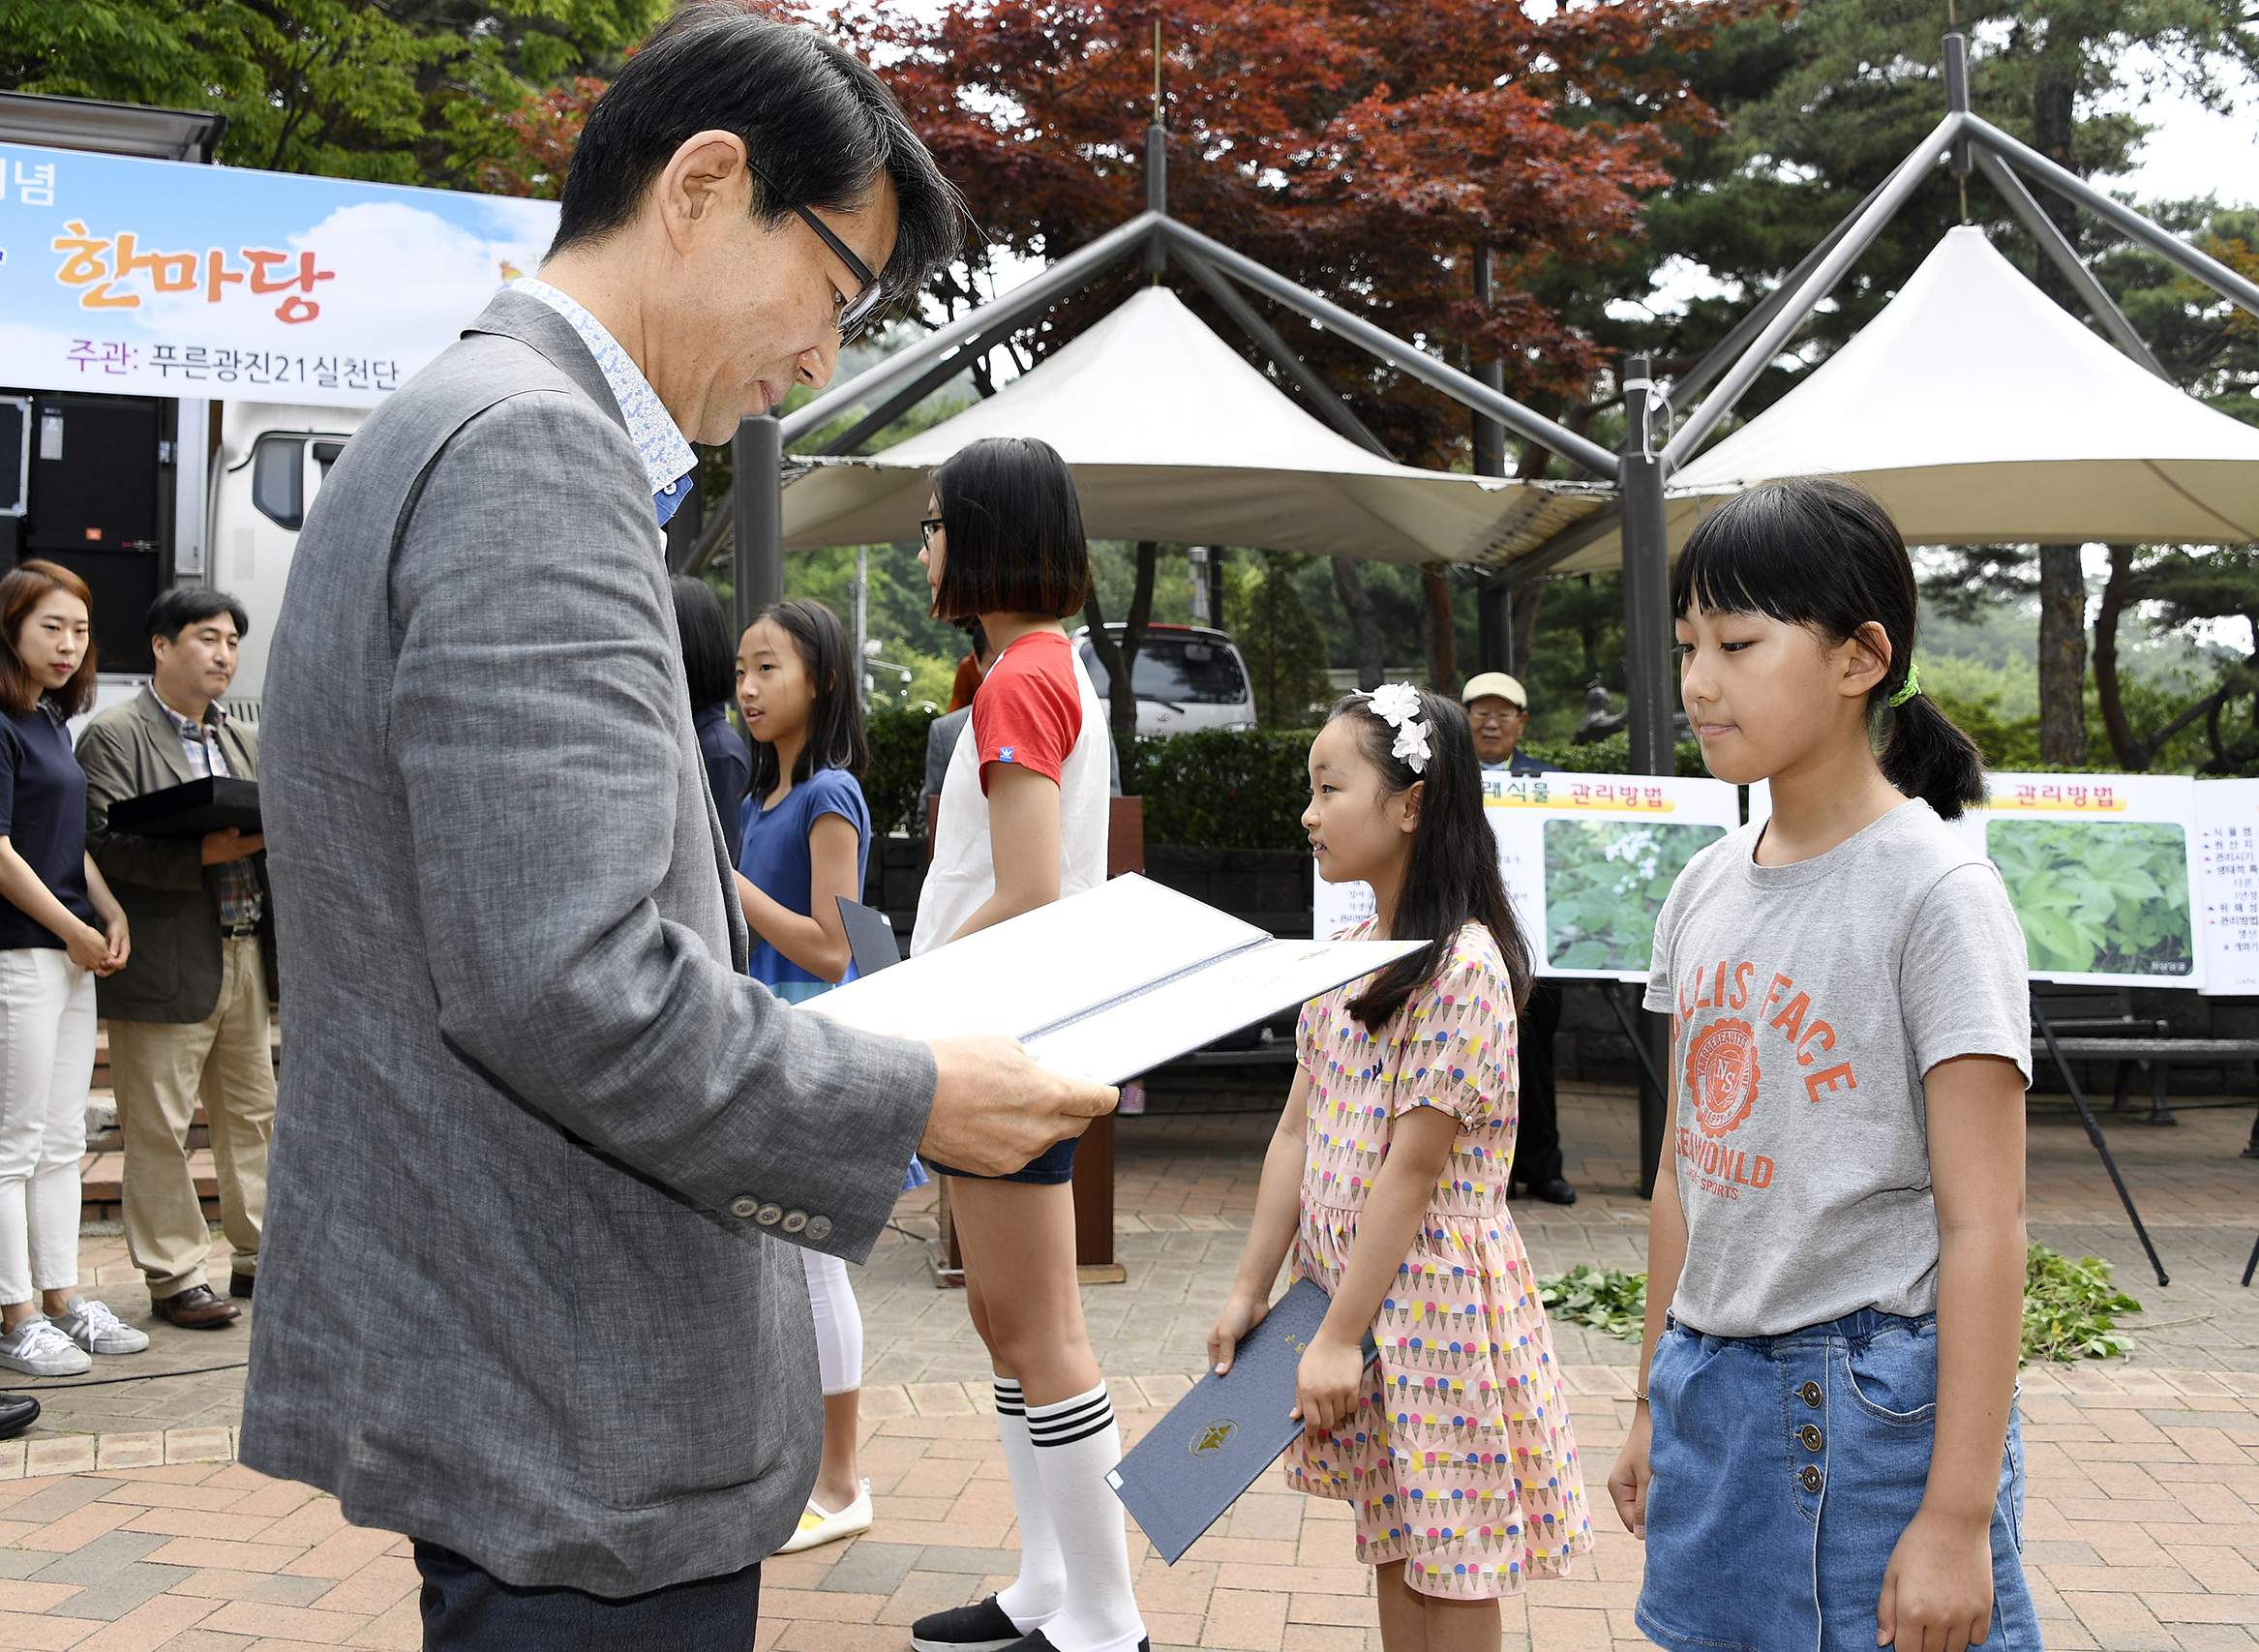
{"points": [[667, 457]]}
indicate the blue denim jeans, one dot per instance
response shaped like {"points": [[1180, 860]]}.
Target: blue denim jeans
{"points": [[1785, 1470]]}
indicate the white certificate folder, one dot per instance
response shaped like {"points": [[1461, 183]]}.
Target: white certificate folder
{"points": [[1196, 1463], [1109, 983]]}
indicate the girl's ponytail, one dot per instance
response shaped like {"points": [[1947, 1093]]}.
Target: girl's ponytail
{"points": [[1824, 552], [1926, 756]]}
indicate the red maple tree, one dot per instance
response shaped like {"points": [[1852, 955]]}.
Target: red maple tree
{"points": [[1363, 148]]}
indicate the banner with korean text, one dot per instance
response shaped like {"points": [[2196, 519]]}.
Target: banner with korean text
{"points": [[1587, 859], [159, 278]]}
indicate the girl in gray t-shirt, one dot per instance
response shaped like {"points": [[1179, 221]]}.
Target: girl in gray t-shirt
{"points": [[1827, 1445]]}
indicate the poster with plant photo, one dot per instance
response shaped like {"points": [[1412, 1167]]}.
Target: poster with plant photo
{"points": [[2102, 872], [1587, 860]]}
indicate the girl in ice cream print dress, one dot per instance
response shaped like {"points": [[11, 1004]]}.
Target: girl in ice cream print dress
{"points": [[1387, 1178]]}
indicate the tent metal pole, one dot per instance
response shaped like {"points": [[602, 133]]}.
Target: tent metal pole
{"points": [[1704, 373], [2061, 254], [917, 391], [1647, 628], [2119, 216], [757, 459], [1563, 545], [1493, 596], [1329, 406], [1467, 391], [1066, 276], [1815, 286], [1157, 190]]}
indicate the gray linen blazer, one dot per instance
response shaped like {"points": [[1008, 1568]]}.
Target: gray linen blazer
{"points": [[521, 1290], [170, 897]]}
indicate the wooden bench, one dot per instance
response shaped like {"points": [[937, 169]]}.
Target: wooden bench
{"points": [[2099, 1023]]}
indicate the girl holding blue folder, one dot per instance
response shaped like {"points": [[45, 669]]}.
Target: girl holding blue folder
{"points": [[806, 833], [1387, 1180]]}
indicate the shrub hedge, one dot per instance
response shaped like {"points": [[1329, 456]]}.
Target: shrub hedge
{"points": [[1223, 787], [1219, 788], [894, 783]]}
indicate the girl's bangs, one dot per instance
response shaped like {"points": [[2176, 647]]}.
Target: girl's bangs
{"points": [[1750, 556]]}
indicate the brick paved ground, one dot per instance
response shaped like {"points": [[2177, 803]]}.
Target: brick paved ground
{"points": [[2142, 1528]]}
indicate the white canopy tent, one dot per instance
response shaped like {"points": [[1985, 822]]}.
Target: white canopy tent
{"points": [[1173, 436], [1980, 412]]}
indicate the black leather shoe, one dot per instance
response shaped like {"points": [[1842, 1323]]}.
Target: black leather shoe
{"points": [[17, 1412], [239, 1285], [1555, 1192], [197, 1309]]}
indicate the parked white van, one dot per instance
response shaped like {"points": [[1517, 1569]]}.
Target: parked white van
{"points": [[1185, 677]]}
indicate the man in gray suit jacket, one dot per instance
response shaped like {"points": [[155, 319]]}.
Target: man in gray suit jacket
{"points": [[525, 1291]]}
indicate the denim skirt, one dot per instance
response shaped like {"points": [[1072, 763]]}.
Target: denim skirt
{"points": [[1047, 1169], [1785, 1470]]}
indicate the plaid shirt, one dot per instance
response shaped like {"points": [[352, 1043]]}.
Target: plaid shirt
{"points": [[240, 899]]}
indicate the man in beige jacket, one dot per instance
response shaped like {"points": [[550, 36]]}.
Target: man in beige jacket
{"points": [[187, 1015]]}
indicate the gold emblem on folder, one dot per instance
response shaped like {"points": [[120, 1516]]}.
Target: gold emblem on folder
{"points": [[1208, 1441]]}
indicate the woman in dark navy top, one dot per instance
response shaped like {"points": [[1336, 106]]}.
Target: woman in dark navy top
{"points": [[711, 674], [59, 928]]}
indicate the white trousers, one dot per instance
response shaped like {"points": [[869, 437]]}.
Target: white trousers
{"points": [[46, 1059], [838, 1323]]}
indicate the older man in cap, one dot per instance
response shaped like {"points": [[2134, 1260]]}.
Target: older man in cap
{"points": [[1497, 709]]}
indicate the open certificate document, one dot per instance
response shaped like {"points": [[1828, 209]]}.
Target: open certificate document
{"points": [[1109, 983]]}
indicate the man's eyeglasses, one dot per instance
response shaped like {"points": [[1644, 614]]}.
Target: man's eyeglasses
{"points": [[1510, 712], [855, 312]]}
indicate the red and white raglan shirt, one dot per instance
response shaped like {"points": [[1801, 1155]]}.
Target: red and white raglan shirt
{"points": [[1806, 1003], [1036, 708]]}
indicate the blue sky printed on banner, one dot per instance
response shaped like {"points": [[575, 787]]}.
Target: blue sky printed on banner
{"points": [[157, 277]]}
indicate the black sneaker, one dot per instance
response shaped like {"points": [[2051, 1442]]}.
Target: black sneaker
{"points": [[1036, 1640], [984, 1628]]}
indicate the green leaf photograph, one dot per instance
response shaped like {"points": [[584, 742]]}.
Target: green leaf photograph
{"points": [[2098, 898], [1604, 883]]}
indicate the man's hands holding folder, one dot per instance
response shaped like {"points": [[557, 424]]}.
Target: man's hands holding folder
{"points": [[994, 1110]]}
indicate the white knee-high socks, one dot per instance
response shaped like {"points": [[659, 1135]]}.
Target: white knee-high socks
{"points": [[1031, 1602], [1076, 1442]]}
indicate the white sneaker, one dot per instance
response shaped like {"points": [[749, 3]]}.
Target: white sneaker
{"points": [[93, 1327], [818, 1527], [38, 1349]]}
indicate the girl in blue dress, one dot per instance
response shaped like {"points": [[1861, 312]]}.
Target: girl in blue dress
{"points": [[806, 835]]}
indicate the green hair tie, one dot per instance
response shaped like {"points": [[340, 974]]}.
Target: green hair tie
{"points": [[1910, 687]]}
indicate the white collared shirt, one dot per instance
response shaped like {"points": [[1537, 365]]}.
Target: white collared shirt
{"points": [[667, 460]]}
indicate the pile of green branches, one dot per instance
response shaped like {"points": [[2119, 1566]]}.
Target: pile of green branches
{"points": [[2068, 1307]]}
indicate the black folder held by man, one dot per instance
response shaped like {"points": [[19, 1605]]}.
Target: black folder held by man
{"points": [[213, 803], [1196, 1463]]}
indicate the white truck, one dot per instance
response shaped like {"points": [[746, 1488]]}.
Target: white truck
{"points": [[270, 463]]}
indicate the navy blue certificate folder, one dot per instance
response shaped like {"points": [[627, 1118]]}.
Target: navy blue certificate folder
{"points": [[1195, 1461]]}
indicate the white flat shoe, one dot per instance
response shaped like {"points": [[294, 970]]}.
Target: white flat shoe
{"points": [[817, 1527]]}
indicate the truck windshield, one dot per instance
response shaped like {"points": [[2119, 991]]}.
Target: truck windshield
{"points": [[1182, 671]]}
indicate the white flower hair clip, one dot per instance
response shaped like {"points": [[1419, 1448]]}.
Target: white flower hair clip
{"points": [[1398, 705]]}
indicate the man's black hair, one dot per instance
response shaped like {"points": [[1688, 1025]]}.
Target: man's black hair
{"points": [[818, 125], [707, 659], [184, 605]]}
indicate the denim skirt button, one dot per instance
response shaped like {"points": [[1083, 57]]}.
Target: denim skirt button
{"points": [[1811, 1395], [1810, 1476], [1812, 1437]]}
